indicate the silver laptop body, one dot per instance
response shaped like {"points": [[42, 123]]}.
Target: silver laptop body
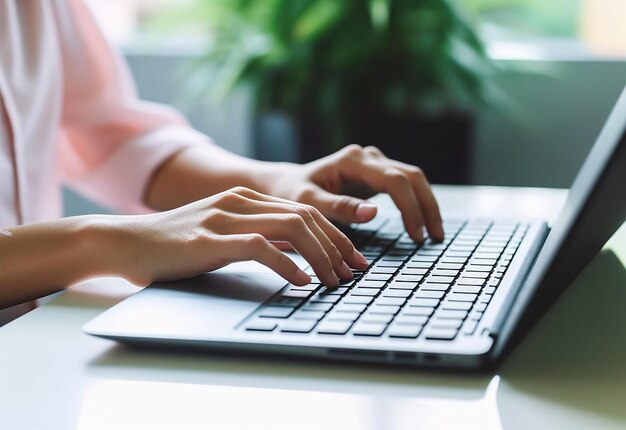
{"points": [[246, 308]]}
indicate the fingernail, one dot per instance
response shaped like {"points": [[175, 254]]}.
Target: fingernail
{"points": [[345, 273], [356, 255], [302, 278], [365, 211]]}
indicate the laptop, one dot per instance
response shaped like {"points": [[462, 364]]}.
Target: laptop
{"points": [[463, 303]]}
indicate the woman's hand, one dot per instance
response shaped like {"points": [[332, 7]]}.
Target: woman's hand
{"points": [[325, 184], [236, 225]]}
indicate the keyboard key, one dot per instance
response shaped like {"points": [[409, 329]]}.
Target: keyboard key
{"points": [[486, 255], [454, 260], [463, 306], [410, 286], [404, 331], [393, 258], [440, 333], [480, 307], [435, 287], [395, 264], [453, 314], [411, 319], [428, 294], [308, 315], [460, 254], [364, 292], [408, 278], [467, 289], [371, 284], [366, 329], [410, 310], [357, 300], [325, 298], [443, 272], [298, 326], [470, 281], [485, 298], [295, 294], [461, 297], [497, 250], [384, 309], [386, 270], [479, 275], [369, 317], [342, 307], [377, 277], [429, 303], [446, 323], [393, 301], [477, 268], [461, 247], [482, 262], [440, 279], [429, 252], [419, 264], [333, 291], [397, 293], [475, 316], [470, 327], [449, 266], [333, 327], [324, 307], [260, 324], [346, 316], [413, 271], [285, 301], [275, 311], [423, 258]]}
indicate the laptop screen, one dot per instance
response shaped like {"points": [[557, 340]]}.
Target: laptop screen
{"points": [[595, 209]]}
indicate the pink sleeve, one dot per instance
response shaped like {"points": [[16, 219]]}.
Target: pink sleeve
{"points": [[111, 141]]}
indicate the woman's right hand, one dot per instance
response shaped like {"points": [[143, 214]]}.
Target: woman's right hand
{"points": [[235, 225]]}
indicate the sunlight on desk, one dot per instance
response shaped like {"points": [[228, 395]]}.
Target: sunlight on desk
{"points": [[125, 404]]}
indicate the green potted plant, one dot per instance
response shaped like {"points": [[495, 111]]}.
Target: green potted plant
{"points": [[399, 74]]}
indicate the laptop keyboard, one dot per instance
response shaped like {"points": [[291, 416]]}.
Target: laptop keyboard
{"points": [[434, 291]]}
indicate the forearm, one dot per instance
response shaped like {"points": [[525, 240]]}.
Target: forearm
{"points": [[40, 259], [199, 172]]}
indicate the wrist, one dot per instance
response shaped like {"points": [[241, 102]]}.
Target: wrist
{"points": [[103, 242], [267, 176]]}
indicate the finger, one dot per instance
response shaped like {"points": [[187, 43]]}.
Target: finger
{"points": [[255, 247], [289, 227], [345, 209], [426, 199], [283, 246], [378, 175], [261, 203]]}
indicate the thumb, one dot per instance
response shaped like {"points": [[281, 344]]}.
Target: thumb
{"points": [[342, 208]]}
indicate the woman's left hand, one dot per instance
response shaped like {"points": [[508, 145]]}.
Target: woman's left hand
{"points": [[329, 183]]}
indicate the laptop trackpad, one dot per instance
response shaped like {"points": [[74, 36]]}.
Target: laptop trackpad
{"points": [[210, 305]]}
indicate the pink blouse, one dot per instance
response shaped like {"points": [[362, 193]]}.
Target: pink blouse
{"points": [[69, 114]]}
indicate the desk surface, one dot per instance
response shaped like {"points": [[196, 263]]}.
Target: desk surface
{"points": [[568, 373]]}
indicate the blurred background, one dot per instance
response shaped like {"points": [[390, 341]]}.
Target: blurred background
{"points": [[491, 92]]}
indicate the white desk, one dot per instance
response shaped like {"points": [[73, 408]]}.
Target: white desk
{"points": [[569, 373]]}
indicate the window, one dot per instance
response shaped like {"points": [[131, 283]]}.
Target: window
{"points": [[561, 27], [555, 28]]}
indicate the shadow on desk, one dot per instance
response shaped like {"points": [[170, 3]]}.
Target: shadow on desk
{"points": [[576, 355]]}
